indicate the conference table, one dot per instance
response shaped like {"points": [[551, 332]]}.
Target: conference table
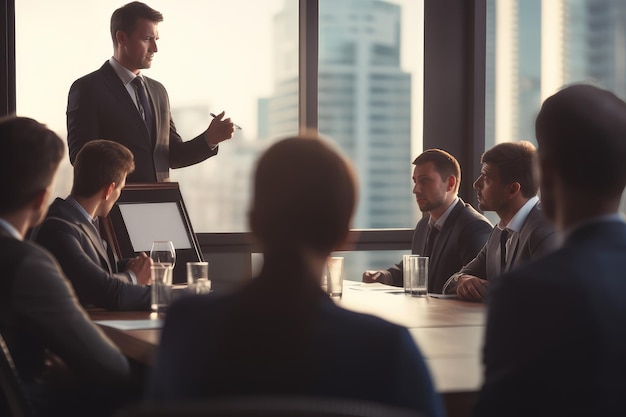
{"points": [[449, 333]]}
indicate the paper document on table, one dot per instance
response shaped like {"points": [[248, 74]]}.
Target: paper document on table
{"points": [[374, 286], [131, 324], [436, 295]]}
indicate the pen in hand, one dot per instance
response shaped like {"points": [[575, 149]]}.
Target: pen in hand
{"points": [[235, 125]]}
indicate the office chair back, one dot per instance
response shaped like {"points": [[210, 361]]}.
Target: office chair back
{"points": [[269, 406], [13, 389]]}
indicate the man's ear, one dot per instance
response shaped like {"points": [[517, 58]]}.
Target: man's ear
{"points": [[513, 189], [451, 183], [121, 37], [107, 190]]}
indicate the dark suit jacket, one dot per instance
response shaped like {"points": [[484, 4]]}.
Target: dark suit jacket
{"points": [[99, 107], [536, 238], [75, 243], [282, 335], [464, 233], [555, 337], [38, 310]]}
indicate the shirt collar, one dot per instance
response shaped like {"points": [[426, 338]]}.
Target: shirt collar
{"points": [[71, 200], [126, 75], [516, 223], [11, 229], [442, 219]]}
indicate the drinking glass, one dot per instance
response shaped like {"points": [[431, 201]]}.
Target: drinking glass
{"points": [[198, 277], [334, 280], [163, 252], [161, 290]]}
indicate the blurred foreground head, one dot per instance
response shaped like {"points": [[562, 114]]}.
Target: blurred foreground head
{"points": [[304, 196], [581, 136], [30, 156]]}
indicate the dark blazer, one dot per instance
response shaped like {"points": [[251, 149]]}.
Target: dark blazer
{"points": [[555, 338], [463, 234], [69, 236], [38, 311], [282, 335], [99, 107], [536, 238]]}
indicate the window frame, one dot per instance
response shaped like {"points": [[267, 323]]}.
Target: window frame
{"points": [[454, 97]]}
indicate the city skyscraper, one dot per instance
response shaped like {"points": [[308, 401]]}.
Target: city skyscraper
{"points": [[364, 100], [536, 46]]}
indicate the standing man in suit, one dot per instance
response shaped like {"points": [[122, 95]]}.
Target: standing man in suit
{"points": [[281, 334], [507, 185], [119, 103], [555, 337], [71, 232], [459, 230], [40, 317]]}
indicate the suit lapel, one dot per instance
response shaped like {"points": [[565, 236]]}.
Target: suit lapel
{"points": [[520, 239], [493, 254], [512, 252], [113, 83], [97, 243], [74, 216], [443, 237], [155, 111]]}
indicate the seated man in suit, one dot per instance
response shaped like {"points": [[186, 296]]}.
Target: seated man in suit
{"points": [[40, 317], [70, 232], [506, 185], [555, 337], [281, 334], [455, 231]]}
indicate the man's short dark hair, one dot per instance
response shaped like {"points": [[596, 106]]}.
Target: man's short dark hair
{"points": [[98, 164], [445, 164], [581, 131], [125, 18], [304, 196], [516, 162], [30, 156]]}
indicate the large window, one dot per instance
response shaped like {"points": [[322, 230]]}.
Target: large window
{"points": [[370, 102], [213, 56], [370, 99], [241, 56], [535, 47]]}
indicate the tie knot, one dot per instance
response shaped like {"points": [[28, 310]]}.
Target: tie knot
{"points": [[137, 81]]}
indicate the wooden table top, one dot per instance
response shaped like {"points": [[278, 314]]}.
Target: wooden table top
{"points": [[449, 332]]}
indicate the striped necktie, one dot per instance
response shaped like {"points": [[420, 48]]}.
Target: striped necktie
{"points": [[144, 105]]}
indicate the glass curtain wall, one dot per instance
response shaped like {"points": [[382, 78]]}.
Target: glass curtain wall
{"points": [[212, 56], [534, 47]]}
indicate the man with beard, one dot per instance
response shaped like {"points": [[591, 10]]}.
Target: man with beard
{"points": [[450, 232], [506, 185]]}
